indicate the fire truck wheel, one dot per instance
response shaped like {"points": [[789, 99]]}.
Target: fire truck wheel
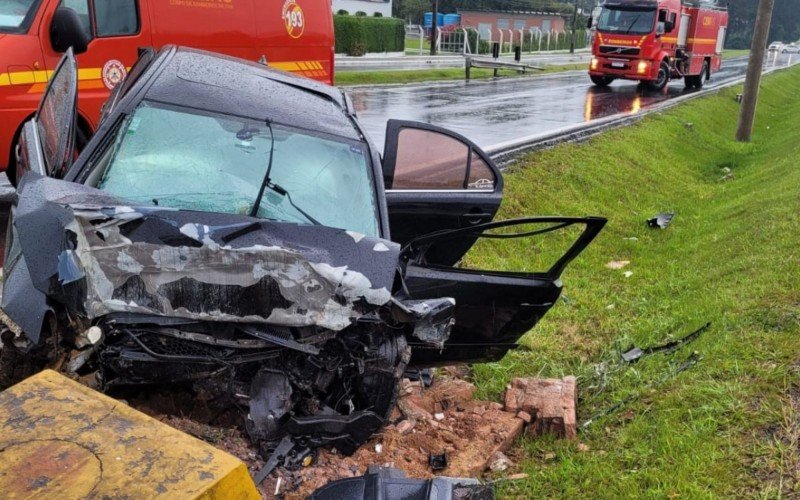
{"points": [[601, 81], [663, 77], [701, 78]]}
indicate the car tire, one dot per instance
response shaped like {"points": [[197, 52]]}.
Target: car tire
{"points": [[663, 77], [601, 81]]}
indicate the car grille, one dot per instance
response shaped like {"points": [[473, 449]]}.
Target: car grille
{"points": [[623, 51]]}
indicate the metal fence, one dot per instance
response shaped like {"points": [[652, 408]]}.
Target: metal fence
{"points": [[468, 40]]}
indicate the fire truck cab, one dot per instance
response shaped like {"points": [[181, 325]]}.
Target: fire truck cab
{"points": [[654, 41], [292, 35]]}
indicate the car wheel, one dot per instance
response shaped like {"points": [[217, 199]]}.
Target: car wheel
{"points": [[601, 81], [663, 77]]}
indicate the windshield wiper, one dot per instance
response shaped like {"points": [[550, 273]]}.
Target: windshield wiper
{"points": [[281, 191], [627, 31], [267, 183]]}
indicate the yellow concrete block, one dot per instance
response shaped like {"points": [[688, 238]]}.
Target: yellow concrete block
{"points": [[60, 439]]}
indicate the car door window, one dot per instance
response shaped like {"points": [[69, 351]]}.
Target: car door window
{"points": [[55, 118], [428, 160], [431, 160], [116, 17]]}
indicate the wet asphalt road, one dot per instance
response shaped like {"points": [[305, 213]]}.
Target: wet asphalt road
{"points": [[495, 111]]}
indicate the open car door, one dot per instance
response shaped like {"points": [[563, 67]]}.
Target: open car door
{"points": [[47, 141], [437, 180], [493, 309], [45, 149]]}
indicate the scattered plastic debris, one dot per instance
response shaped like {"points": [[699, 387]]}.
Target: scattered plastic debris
{"points": [[437, 462], [635, 353], [390, 483], [661, 220], [617, 264]]}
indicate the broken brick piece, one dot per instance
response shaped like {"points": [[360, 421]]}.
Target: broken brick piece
{"points": [[405, 426], [550, 403]]}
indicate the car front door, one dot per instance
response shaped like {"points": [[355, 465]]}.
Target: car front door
{"points": [[47, 141], [45, 149], [494, 308], [437, 180]]}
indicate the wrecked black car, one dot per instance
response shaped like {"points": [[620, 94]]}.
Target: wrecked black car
{"points": [[230, 227]]}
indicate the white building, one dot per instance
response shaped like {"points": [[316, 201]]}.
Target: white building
{"points": [[368, 6]]}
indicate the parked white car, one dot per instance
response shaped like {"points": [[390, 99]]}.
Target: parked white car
{"points": [[776, 46], [792, 48]]}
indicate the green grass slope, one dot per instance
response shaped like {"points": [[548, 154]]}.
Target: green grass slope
{"points": [[729, 425]]}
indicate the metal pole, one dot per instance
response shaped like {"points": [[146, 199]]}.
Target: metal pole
{"points": [[574, 21], [434, 26], [747, 114]]}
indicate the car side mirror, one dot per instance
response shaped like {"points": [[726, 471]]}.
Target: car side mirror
{"points": [[660, 27], [589, 23], [66, 30], [669, 26]]}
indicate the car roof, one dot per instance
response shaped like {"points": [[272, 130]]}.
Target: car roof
{"points": [[218, 83]]}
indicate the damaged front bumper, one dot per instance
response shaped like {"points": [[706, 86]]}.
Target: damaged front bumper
{"points": [[295, 324]]}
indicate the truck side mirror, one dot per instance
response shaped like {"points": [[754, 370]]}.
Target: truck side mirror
{"points": [[660, 29], [589, 23], [669, 26], [66, 30]]}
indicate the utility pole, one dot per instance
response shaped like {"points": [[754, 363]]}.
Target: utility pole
{"points": [[747, 114], [434, 26], [574, 21]]}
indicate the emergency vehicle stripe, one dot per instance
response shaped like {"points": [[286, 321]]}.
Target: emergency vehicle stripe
{"points": [[89, 78]]}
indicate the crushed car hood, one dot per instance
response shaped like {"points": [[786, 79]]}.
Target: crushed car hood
{"points": [[98, 254]]}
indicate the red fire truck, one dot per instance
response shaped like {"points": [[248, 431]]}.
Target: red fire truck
{"points": [[293, 35], [654, 41]]}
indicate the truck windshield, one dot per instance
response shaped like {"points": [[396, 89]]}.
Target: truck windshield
{"points": [[626, 21], [193, 160], [15, 15]]}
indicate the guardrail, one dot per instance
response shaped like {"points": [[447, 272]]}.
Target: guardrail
{"points": [[496, 64]]}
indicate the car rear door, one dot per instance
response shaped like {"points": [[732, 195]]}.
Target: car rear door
{"points": [[437, 180], [494, 308]]}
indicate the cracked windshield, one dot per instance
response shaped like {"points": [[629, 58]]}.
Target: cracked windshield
{"points": [[183, 159]]}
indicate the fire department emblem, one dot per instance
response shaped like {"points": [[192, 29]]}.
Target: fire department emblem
{"points": [[113, 73], [293, 18]]}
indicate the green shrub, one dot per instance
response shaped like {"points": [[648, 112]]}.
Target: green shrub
{"points": [[358, 35], [377, 14], [342, 12], [361, 13]]}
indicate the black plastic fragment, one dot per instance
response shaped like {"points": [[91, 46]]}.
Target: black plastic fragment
{"points": [[635, 353], [386, 483], [281, 452], [437, 462], [661, 220]]}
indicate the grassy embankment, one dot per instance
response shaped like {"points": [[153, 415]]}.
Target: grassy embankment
{"points": [[443, 74], [729, 425]]}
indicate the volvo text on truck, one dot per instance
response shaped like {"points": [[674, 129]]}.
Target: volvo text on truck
{"points": [[292, 35], [654, 41]]}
